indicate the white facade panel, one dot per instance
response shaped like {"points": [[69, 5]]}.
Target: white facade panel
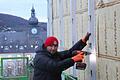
{"points": [[84, 4], [107, 25], [54, 8], [67, 29]]}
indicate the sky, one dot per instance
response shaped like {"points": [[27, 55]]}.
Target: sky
{"points": [[22, 8]]}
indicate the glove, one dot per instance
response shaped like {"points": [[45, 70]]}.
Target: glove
{"points": [[78, 57], [86, 38]]}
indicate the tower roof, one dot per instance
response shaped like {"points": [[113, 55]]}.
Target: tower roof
{"points": [[33, 20]]}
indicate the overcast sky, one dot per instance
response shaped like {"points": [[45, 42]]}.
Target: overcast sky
{"points": [[22, 8]]}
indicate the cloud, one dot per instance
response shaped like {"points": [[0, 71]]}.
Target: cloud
{"points": [[42, 19]]}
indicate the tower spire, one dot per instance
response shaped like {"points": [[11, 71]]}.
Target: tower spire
{"points": [[33, 20]]}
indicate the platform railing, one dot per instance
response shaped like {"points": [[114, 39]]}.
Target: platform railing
{"points": [[66, 76]]}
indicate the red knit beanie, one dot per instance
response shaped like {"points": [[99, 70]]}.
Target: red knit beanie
{"points": [[49, 41]]}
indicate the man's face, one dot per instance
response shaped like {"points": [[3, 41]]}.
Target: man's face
{"points": [[53, 48]]}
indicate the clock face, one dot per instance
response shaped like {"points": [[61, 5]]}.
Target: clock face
{"points": [[34, 31]]}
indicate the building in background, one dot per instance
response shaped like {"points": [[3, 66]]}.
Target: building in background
{"points": [[68, 21], [18, 35]]}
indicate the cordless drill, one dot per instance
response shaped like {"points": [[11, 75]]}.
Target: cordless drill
{"points": [[81, 65]]}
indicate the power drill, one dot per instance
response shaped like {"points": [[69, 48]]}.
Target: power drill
{"points": [[81, 65]]}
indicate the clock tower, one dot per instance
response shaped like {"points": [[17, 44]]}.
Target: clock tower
{"points": [[33, 23], [34, 32]]}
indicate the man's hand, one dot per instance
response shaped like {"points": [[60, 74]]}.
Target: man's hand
{"points": [[86, 38], [79, 56]]}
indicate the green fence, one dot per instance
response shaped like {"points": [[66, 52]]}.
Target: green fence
{"points": [[14, 68]]}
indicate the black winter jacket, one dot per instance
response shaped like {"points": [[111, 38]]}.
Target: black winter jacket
{"points": [[50, 67]]}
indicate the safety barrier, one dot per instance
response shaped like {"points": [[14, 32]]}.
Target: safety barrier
{"points": [[66, 76]]}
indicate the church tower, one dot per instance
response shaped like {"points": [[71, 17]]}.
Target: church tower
{"points": [[33, 20]]}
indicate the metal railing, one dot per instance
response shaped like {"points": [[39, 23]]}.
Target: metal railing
{"points": [[66, 76], [23, 76]]}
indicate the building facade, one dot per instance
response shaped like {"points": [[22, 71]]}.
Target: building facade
{"points": [[68, 20]]}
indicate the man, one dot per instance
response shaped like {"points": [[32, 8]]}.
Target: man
{"points": [[49, 63]]}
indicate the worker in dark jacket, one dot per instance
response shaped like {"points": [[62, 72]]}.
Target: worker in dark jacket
{"points": [[49, 63]]}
